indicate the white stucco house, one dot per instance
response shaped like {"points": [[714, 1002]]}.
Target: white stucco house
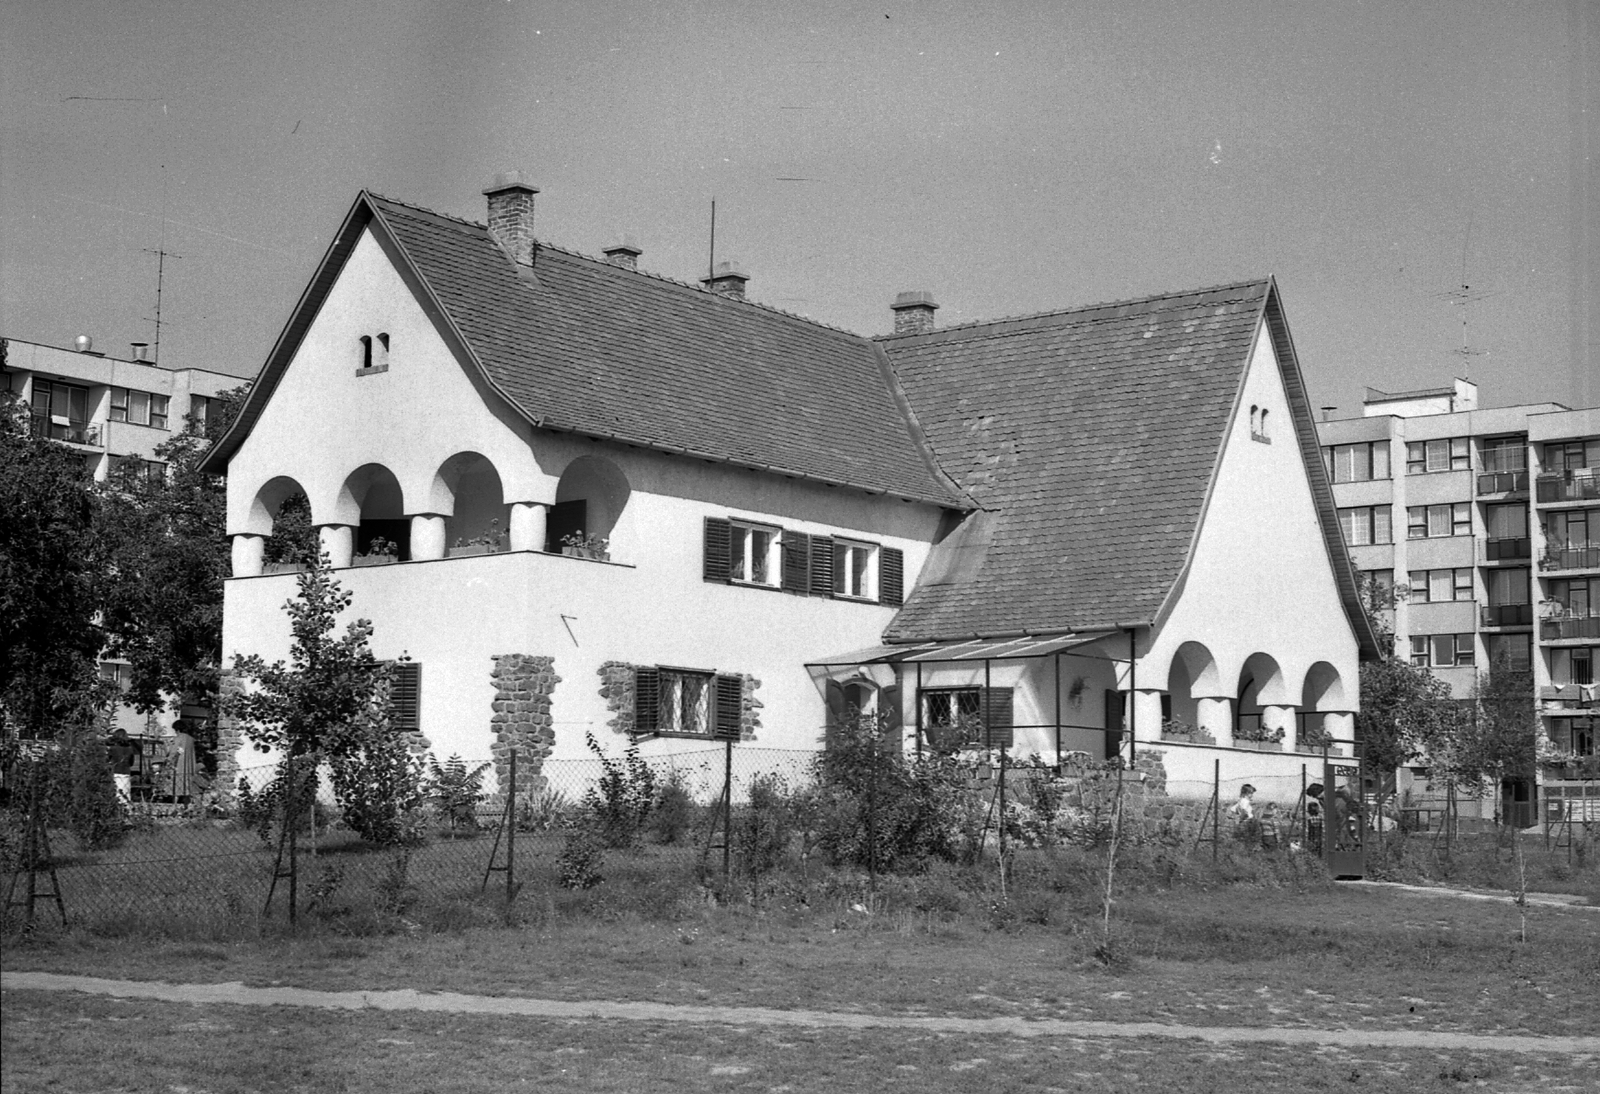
{"points": [[1076, 526]]}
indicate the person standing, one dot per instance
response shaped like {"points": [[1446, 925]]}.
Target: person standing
{"points": [[180, 762], [121, 751]]}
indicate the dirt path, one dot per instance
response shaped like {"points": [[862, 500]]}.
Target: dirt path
{"points": [[238, 994]]}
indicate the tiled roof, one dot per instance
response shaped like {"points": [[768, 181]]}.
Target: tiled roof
{"points": [[1091, 435], [589, 347]]}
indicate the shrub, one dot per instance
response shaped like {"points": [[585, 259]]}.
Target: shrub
{"points": [[543, 812], [674, 808], [380, 792], [762, 829], [455, 791], [580, 859], [621, 802]]}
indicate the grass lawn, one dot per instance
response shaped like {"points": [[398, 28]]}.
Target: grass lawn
{"points": [[54, 1041], [1324, 958]]}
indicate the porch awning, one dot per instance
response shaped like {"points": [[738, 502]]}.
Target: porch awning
{"points": [[977, 649]]}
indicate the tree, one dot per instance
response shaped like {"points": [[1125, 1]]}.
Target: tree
{"points": [[1406, 712], [1502, 740], [168, 555], [49, 567]]}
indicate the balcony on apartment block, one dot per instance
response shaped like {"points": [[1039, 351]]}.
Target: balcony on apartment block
{"points": [[1562, 622], [1508, 549], [1579, 484], [1507, 615], [1575, 557], [58, 428], [1503, 473]]}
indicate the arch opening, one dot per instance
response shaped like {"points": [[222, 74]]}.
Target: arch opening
{"points": [[1260, 685], [372, 503], [467, 489], [281, 512], [590, 498], [1191, 677]]}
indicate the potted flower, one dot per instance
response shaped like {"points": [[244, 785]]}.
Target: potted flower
{"points": [[1258, 738], [1175, 730], [380, 552], [586, 545], [491, 541], [1313, 739]]}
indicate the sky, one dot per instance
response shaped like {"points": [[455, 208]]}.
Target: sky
{"points": [[1009, 157]]}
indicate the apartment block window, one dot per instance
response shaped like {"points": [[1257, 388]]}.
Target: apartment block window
{"points": [[1426, 457], [1438, 586], [743, 552], [1357, 462], [677, 702], [1572, 455], [853, 569], [132, 469], [1506, 521], [199, 412], [1434, 521], [1577, 598], [1441, 651], [1366, 525], [138, 407], [754, 554], [60, 411], [1576, 528], [1508, 586], [1505, 454], [1377, 589], [956, 718], [405, 695]]}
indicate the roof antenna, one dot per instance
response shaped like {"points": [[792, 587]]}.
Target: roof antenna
{"points": [[162, 254], [711, 260], [1462, 298]]}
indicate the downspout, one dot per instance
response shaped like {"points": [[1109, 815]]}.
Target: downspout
{"points": [[1133, 694]]}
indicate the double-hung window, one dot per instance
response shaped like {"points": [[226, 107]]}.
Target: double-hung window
{"points": [[754, 554], [138, 407], [1427, 457], [1435, 586], [1365, 525], [1433, 521]]}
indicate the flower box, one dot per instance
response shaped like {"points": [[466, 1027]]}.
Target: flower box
{"points": [[283, 567], [1189, 738], [373, 560], [1260, 746], [587, 552], [468, 549]]}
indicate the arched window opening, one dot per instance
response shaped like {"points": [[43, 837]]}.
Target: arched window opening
{"points": [[292, 540], [1260, 684], [380, 352], [382, 528], [480, 518], [590, 498], [366, 351]]}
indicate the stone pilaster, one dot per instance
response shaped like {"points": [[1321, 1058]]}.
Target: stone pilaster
{"points": [[523, 686], [230, 739]]}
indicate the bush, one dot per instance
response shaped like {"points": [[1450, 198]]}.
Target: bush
{"points": [[379, 789], [762, 829], [580, 859], [455, 791], [674, 809], [620, 803]]}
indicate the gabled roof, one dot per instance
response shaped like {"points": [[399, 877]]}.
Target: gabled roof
{"points": [[580, 345], [1091, 437]]}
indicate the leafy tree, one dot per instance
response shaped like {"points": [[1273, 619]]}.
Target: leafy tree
{"points": [[168, 555], [1406, 712], [1502, 739], [49, 566]]}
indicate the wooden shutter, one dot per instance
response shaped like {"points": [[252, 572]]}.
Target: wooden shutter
{"points": [[891, 575], [889, 708], [796, 562], [405, 696], [646, 700], [1116, 707], [833, 694], [996, 709], [730, 707], [822, 565], [719, 542]]}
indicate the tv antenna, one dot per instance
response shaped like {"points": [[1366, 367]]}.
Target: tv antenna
{"points": [[162, 254], [1463, 298]]}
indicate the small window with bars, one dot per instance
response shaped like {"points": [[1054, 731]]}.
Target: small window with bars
{"points": [[680, 702]]}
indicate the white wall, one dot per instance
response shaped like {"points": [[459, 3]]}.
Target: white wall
{"points": [[1261, 579]]}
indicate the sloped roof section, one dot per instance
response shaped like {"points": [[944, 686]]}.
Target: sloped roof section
{"points": [[1092, 436], [588, 347], [580, 345]]}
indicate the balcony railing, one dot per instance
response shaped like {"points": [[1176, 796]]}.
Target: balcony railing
{"points": [[1577, 485], [1508, 547], [1507, 615], [41, 425], [1585, 557], [1503, 482], [1501, 459], [1566, 623]]}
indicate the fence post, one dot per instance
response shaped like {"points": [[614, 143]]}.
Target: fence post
{"points": [[291, 819], [1216, 807], [511, 834]]}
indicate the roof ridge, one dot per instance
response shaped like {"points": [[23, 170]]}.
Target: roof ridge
{"points": [[1100, 306], [546, 244]]}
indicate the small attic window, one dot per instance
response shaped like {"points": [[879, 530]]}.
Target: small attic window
{"points": [[374, 355], [1258, 425]]}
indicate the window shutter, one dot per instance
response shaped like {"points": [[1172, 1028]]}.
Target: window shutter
{"points": [[405, 696], [891, 575], [996, 717], [719, 542], [730, 707], [822, 565], [796, 562], [646, 700], [889, 708], [833, 694]]}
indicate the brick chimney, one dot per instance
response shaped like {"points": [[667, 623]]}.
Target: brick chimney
{"points": [[624, 252], [727, 279], [511, 215], [913, 312]]}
